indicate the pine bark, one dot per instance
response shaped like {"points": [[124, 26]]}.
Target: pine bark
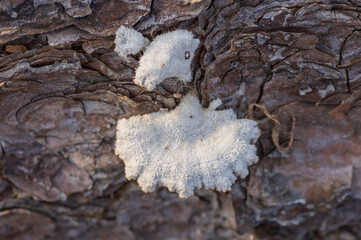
{"points": [[63, 88]]}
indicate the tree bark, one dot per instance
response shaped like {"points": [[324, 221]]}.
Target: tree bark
{"points": [[63, 88]]}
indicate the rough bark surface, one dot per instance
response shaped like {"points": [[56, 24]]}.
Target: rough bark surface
{"points": [[62, 89]]}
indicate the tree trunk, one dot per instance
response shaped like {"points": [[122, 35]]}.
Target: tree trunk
{"points": [[63, 88]]}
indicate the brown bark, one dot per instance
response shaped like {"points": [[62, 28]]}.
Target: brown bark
{"points": [[62, 89]]}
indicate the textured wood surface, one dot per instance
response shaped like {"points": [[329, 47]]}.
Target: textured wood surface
{"points": [[62, 89]]}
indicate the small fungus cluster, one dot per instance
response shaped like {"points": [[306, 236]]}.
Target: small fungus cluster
{"points": [[189, 147]]}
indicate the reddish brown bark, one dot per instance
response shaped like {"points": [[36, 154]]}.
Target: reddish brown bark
{"points": [[62, 89]]}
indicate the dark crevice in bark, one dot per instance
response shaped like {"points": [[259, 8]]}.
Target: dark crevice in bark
{"points": [[341, 58], [267, 79], [348, 81]]}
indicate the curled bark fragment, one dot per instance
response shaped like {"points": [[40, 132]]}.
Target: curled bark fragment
{"points": [[276, 127], [339, 111], [350, 64]]}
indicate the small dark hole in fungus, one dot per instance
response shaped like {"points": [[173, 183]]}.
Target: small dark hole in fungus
{"points": [[190, 116], [187, 55]]}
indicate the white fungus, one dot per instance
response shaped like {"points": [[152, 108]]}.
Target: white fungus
{"points": [[187, 148], [128, 41], [169, 55]]}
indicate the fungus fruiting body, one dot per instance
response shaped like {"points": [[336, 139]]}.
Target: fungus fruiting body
{"points": [[169, 55], [187, 148], [128, 41]]}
